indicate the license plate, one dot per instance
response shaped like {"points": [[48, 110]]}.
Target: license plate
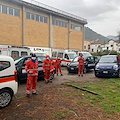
{"points": [[105, 72], [72, 68]]}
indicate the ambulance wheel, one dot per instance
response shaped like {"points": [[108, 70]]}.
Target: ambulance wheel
{"points": [[5, 98], [51, 76], [85, 70]]}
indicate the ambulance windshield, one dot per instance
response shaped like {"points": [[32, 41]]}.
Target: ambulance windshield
{"points": [[72, 55]]}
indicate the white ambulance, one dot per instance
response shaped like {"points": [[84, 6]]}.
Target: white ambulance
{"points": [[65, 55], [14, 51], [8, 80]]}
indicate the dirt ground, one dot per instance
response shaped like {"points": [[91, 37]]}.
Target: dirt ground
{"points": [[52, 103]]}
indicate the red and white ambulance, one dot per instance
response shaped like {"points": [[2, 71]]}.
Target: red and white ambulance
{"points": [[8, 80]]}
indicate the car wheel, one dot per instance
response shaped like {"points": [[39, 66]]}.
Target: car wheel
{"points": [[96, 75], [51, 76], [5, 98], [85, 70]]}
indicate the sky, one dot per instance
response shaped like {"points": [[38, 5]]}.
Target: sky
{"points": [[103, 16]]}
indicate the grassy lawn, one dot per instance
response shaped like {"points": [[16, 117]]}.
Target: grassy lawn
{"points": [[109, 101]]}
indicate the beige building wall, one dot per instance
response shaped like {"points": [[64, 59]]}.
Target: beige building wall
{"points": [[60, 37], [76, 39], [87, 45], [10, 27]]}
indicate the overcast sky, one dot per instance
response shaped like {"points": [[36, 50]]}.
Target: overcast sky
{"points": [[103, 16]]}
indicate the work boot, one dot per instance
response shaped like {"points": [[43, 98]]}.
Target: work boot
{"points": [[82, 75], [50, 81], [79, 75], [28, 95], [34, 93], [61, 74], [57, 74]]}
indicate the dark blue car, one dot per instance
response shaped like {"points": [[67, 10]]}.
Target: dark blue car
{"points": [[108, 66]]}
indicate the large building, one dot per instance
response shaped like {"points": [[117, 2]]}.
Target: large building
{"points": [[34, 24]]}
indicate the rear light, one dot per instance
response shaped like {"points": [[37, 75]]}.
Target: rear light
{"points": [[15, 75]]}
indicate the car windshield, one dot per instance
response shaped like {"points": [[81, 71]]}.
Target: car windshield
{"points": [[75, 59], [108, 59], [16, 61], [72, 55], [86, 54]]}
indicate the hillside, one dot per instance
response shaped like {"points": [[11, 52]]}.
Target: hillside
{"points": [[92, 35]]}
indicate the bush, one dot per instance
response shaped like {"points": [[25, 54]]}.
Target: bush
{"points": [[106, 52]]}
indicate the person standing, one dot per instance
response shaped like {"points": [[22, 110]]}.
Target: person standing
{"points": [[81, 61], [46, 69], [58, 65], [32, 71]]}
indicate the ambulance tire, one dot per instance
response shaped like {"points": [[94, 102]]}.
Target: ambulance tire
{"points": [[51, 76], [7, 98], [85, 70]]}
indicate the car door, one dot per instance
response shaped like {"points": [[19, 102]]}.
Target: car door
{"points": [[90, 62]]}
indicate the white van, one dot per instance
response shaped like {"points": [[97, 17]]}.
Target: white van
{"points": [[8, 80], [85, 54], [66, 56], [14, 51]]}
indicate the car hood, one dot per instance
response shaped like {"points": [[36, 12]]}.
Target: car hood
{"points": [[107, 65], [74, 64]]}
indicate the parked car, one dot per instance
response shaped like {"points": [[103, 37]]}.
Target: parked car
{"points": [[108, 66], [85, 54], [20, 67], [88, 64], [8, 80]]}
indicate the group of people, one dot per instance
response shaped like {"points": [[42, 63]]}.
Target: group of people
{"points": [[32, 69]]}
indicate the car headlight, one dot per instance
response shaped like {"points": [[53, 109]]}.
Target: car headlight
{"points": [[97, 66], [115, 66]]}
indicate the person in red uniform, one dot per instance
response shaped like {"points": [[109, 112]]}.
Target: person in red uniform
{"points": [[32, 69], [81, 61], [46, 69], [58, 65]]}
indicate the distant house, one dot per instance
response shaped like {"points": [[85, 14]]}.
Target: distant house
{"points": [[87, 45], [98, 46]]}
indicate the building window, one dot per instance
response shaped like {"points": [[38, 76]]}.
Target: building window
{"points": [[37, 18], [0, 9], [111, 45], [10, 11], [119, 49], [92, 50], [107, 48], [32, 16], [28, 15], [17, 12], [78, 28], [45, 19], [41, 19], [59, 23], [84, 47], [0, 52], [4, 9]]}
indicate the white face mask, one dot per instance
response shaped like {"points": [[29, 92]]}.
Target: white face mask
{"points": [[47, 58], [34, 58]]}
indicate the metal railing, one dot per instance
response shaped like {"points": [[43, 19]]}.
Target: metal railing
{"points": [[54, 9]]}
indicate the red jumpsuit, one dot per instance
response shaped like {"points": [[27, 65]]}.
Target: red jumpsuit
{"points": [[58, 65], [46, 69], [32, 69], [81, 61]]}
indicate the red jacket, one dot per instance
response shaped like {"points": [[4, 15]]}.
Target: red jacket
{"points": [[58, 62], [46, 64], [32, 68], [81, 60]]}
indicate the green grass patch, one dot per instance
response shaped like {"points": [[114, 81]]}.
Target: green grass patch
{"points": [[61, 115], [109, 90]]}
